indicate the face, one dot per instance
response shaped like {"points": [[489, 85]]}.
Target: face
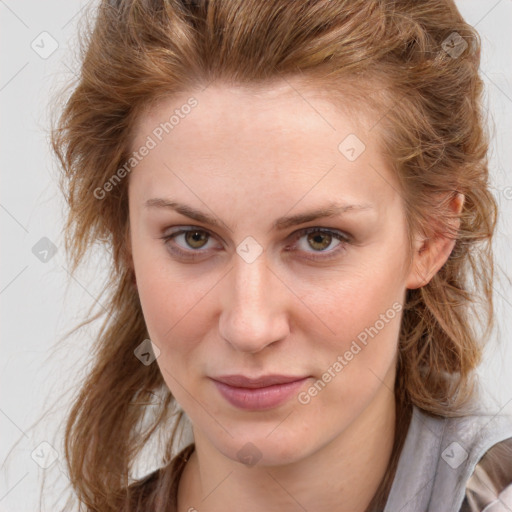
{"points": [[236, 275]]}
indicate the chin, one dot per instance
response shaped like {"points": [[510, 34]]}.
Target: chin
{"points": [[262, 449]]}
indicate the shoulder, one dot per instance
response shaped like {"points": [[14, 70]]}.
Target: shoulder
{"points": [[476, 451], [490, 486], [440, 457]]}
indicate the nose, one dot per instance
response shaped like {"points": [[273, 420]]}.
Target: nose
{"points": [[255, 306]]}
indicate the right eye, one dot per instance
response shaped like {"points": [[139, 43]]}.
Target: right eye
{"points": [[192, 244]]}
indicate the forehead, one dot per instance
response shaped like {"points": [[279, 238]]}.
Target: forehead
{"points": [[255, 136], [291, 107]]}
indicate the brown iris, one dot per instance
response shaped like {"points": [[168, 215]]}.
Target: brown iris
{"points": [[194, 237], [316, 237]]}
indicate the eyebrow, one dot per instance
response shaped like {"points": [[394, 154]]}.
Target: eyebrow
{"points": [[330, 210]]}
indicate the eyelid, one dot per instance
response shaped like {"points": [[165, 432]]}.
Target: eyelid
{"points": [[181, 230], [327, 255], [321, 229]]}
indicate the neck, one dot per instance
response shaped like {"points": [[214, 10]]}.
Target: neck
{"points": [[344, 475]]}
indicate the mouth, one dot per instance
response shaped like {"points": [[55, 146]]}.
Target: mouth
{"points": [[265, 392]]}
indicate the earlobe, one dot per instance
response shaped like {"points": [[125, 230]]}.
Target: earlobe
{"points": [[431, 253]]}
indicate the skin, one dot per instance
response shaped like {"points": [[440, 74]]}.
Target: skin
{"points": [[248, 157]]}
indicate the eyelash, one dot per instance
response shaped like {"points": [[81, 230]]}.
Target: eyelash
{"points": [[194, 254]]}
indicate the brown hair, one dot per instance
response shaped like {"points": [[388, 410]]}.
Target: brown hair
{"points": [[388, 56]]}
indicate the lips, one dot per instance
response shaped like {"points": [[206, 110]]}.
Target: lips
{"points": [[241, 381], [260, 393]]}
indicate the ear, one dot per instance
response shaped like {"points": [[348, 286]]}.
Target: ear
{"points": [[430, 254]]}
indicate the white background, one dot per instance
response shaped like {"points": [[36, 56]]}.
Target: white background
{"points": [[40, 301]]}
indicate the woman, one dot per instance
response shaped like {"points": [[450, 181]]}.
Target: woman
{"points": [[295, 196]]}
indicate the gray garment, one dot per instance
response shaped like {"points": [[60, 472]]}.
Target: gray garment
{"points": [[438, 458]]}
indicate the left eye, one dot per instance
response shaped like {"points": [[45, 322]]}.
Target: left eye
{"points": [[321, 239]]}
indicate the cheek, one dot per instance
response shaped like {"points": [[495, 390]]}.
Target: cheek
{"points": [[166, 306], [358, 361], [365, 335], [352, 301], [364, 312], [173, 303], [171, 313], [162, 297]]}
